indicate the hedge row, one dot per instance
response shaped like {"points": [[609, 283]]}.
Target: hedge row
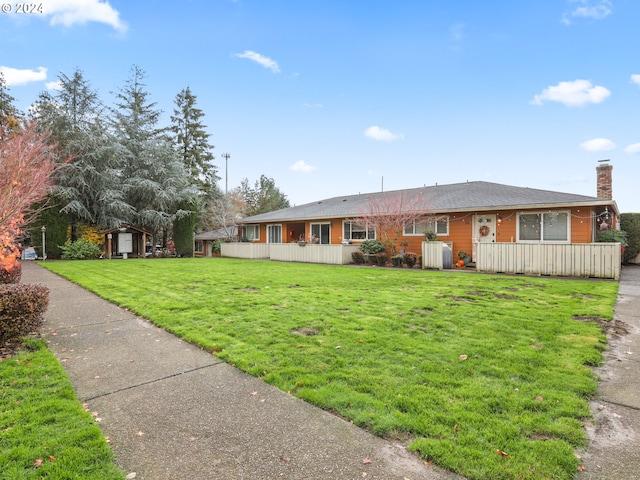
{"points": [[22, 308], [11, 275]]}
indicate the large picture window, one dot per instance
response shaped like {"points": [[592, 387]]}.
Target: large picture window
{"points": [[353, 231], [543, 227], [252, 232], [439, 225]]}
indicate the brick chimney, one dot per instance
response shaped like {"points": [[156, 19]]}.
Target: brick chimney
{"points": [[603, 182]]}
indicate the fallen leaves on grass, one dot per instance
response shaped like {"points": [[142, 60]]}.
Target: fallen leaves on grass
{"points": [[500, 452]]}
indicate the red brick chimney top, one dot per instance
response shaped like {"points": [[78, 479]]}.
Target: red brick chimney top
{"points": [[603, 180]]}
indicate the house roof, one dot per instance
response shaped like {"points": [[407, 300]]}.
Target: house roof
{"points": [[219, 234], [457, 197], [124, 228]]}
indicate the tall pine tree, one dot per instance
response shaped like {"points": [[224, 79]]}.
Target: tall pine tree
{"points": [[192, 142], [88, 188], [154, 177]]}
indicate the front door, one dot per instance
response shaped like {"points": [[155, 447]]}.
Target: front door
{"points": [[485, 228]]}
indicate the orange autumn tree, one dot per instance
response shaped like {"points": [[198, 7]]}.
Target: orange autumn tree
{"points": [[389, 212], [27, 165]]}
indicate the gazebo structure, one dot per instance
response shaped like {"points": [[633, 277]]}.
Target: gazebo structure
{"points": [[125, 242]]}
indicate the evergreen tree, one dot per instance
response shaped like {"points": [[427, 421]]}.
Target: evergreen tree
{"points": [[88, 188], [183, 230], [57, 224], [155, 179], [9, 116], [263, 197], [192, 142]]}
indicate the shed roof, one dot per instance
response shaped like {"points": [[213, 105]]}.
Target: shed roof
{"points": [[219, 234], [457, 197]]}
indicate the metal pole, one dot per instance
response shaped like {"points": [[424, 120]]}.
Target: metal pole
{"points": [[44, 250], [226, 157]]}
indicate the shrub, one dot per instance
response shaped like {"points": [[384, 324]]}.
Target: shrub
{"points": [[613, 236], [381, 258], [372, 247], [357, 257], [10, 273], [630, 223], [410, 259], [22, 308], [79, 250], [396, 260], [216, 247]]}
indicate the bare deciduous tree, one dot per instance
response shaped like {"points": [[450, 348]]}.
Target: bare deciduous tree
{"points": [[225, 213], [389, 212]]}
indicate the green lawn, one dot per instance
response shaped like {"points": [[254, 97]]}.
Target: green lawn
{"points": [[44, 431], [488, 376]]}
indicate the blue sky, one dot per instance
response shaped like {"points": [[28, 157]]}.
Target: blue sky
{"points": [[329, 97]]}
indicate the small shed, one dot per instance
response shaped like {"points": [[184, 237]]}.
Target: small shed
{"points": [[203, 242], [125, 242]]}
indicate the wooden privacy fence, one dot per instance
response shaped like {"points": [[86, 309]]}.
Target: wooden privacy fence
{"points": [[291, 252], [599, 260], [330, 254], [244, 250]]}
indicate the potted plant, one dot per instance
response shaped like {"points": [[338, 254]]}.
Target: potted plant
{"points": [[464, 256], [430, 236]]}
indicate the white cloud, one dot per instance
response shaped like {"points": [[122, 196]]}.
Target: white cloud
{"points": [[312, 105], [633, 148], [302, 166], [572, 94], [635, 78], [57, 85], [598, 145], [15, 76], [72, 12], [383, 134], [589, 10], [266, 62]]}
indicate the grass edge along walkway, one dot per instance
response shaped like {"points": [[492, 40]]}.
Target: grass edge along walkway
{"points": [[488, 376], [44, 430]]}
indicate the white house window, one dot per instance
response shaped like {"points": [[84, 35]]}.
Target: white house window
{"points": [[321, 233], [353, 231], [252, 232], [274, 233], [543, 227], [439, 225], [199, 246]]}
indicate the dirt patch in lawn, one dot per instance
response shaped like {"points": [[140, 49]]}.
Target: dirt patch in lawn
{"points": [[613, 328], [305, 331]]}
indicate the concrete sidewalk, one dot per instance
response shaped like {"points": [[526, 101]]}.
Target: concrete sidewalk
{"points": [[614, 449], [173, 411]]}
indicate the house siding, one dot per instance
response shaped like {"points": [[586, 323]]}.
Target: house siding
{"points": [[460, 229]]}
